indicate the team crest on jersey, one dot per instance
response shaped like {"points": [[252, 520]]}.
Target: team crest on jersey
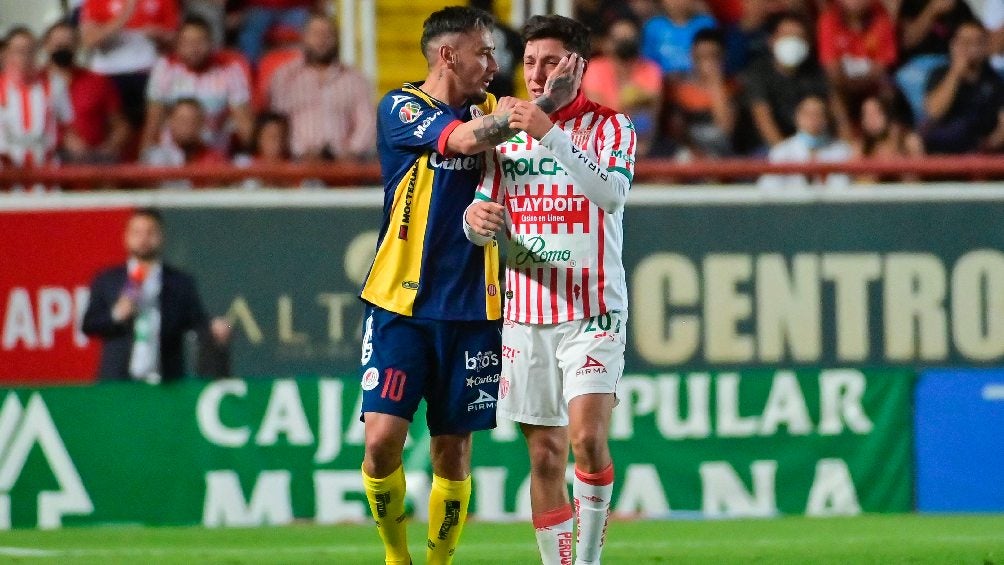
{"points": [[370, 378], [476, 112], [409, 112], [580, 136]]}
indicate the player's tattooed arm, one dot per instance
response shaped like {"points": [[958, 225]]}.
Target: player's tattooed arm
{"points": [[494, 129]]}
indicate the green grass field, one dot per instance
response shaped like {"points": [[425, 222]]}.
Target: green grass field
{"points": [[867, 539]]}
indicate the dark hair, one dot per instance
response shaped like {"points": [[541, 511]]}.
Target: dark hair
{"points": [[453, 19], [774, 21], [710, 35], [264, 119], [16, 31], [152, 213], [192, 20], [61, 23], [573, 34]]}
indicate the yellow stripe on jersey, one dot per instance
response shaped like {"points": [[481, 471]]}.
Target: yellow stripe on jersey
{"points": [[394, 279], [493, 290]]}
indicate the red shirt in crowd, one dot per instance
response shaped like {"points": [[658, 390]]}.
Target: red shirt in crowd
{"points": [[838, 43], [94, 99], [148, 13]]}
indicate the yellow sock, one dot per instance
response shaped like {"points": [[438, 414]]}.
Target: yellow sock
{"points": [[448, 502], [386, 498]]}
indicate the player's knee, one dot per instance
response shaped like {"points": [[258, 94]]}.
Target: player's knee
{"points": [[589, 446], [548, 456], [382, 457]]}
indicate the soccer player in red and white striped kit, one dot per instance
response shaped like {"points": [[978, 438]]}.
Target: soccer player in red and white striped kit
{"points": [[558, 188]]}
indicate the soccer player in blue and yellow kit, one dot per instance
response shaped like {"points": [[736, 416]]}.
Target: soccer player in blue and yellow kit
{"points": [[432, 323]]}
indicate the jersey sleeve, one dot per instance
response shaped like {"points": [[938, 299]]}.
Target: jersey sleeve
{"points": [[410, 123], [606, 180]]}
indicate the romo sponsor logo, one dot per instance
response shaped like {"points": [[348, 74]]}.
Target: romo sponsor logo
{"points": [[21, 428], [591, 367], [483, 402], [478, 381], [534, 250]]}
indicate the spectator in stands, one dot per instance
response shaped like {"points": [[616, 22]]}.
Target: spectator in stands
{"points": [[992, 16], [34, 105], [857, 47], [702, 111], [123, 37], [217, 80], [666, 39], [181, 143], [98, 121], [775, 84], [330, 105], [261, 15], [214, 12], [965, 98], [269, 146], [143, 308], [925, 28], [884, 137], [624, 80], [598, 15], [812, 143]]}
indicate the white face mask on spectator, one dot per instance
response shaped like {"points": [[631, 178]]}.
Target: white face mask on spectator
{"points": [[791, 51]]}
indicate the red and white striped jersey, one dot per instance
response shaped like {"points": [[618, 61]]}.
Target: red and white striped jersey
{"points": [[30, 115], [564, 198]]}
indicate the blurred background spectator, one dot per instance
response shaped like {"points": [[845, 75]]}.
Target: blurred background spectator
{"points": [[182, 143], [622, 79], [218, 80], [776, 82], [269, 146], [34, 105], [812, 142], [123, 37], [925, 27], [100, 126], [701, 109], [883, 136], [666, 38], [283, 16], [857, 47], [992, 16], [965, 98], [330, 105]]}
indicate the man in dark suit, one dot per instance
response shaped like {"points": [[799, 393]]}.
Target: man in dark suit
{"points": [[142, 310]]}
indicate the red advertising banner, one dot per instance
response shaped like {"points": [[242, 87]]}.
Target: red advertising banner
{"points": [[47, 261]]}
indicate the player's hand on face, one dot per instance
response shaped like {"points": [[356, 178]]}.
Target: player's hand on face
{"points": [[528, 117], [485, 218], [563, 83]]}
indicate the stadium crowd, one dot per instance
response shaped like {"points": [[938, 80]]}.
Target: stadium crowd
{"points": [[180, 82]]}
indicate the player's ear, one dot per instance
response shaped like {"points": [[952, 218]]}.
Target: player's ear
{"points": [[448, 55]]}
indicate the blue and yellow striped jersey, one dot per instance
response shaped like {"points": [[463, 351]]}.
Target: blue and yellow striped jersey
{"points": [[424, 265]]}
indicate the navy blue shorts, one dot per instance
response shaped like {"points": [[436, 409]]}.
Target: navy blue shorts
{"points": [[454, 365]]}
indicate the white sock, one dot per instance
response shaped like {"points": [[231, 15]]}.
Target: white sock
{"points": [[592, 493], [554, 535]]}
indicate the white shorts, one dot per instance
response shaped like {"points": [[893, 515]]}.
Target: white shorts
{"points": [[545, 366]]}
